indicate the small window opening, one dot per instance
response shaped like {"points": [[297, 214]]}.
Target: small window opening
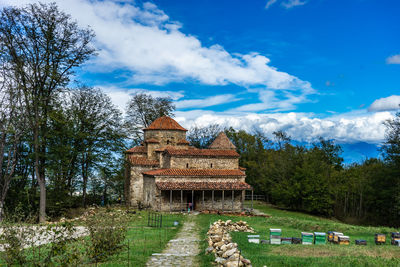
{"points": [[167, 142], [211, 165], [187, 165]]}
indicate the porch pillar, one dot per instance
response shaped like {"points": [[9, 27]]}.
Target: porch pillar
{"points": [[223, 196], [181, 200], [170, 200], [233, 198], [203, 200], [212, 197], [192, 199]]}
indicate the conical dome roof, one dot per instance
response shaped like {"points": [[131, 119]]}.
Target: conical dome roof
{"points": [[222, 142], [165, 123]]}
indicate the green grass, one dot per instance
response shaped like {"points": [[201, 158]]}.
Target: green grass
{"points": [[292, 224], [144, 241], [141, 240]]}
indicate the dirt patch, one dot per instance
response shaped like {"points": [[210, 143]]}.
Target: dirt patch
{"points": [[339, 251]]}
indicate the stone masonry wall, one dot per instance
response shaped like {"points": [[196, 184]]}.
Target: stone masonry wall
{"points": [[204, 163], [150, 193], [136, 184]]}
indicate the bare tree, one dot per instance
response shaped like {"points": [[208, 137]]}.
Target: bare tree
{"points": [[41, 46]]}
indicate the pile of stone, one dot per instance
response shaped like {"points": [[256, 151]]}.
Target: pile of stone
{"points": [[220, 243]]}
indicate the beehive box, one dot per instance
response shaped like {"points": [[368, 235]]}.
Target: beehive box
{"points": [[380, 239], [253, 239], [344, 240], [319, 238], [395, 238], [336, 237], [330, 236], [275, 236], [286, 240], [307, 238], [361, 242]]}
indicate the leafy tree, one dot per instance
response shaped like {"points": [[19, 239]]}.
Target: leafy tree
{"points": [[142, 110], [12, 127], [41, 46]]}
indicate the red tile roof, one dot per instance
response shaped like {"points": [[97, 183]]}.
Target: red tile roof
{"points": [[202, 152], [142, 161], [137, 149], [165, 123], [152, 140], [242, 168], [195, 172], [222, 142], [202, 186]]}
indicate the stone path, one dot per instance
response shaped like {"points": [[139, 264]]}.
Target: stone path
{"points": [[182, 250]]}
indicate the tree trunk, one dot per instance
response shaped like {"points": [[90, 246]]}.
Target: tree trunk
{"points": [[40, 178]]}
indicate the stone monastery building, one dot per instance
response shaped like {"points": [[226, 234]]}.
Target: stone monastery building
{"points": [[167, 174]]}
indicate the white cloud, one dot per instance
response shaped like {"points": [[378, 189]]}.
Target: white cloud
{"points": [[144, 40], [293, 3], [286, 4], [386, 103], [270, 101], [121, 96], [345, 128], [270, 3], [395, 59], [206, 102]]}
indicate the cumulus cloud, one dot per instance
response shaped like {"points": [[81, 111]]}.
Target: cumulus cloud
{"points": [[121, 96], [386, 103], [145, 41], [395, 59], [206, 102], [345, 128]]}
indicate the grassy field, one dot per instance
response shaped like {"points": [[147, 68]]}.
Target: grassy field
{"points": [[144, 241], [140, 243], [292, 224]]}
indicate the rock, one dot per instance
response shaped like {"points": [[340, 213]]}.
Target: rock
{"points": [[209, 250], [216, 238], [220, 260], [229, 253], [219, 244], [232, 264], [246, 262]]}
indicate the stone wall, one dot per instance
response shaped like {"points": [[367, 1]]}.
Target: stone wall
{"points": [[204, 163], [150, 193], [166, 137], [136, 184]]}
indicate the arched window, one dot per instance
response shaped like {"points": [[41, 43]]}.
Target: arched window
{"points": [[167, 142], [211, 165], [187, 165]]}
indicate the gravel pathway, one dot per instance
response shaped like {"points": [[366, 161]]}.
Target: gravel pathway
{"points": [[181, 251]]}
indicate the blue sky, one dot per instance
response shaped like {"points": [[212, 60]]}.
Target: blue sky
{"points": [[309, 67]]}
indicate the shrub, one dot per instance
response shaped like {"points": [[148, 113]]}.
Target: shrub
{"points": [[107, 231]]}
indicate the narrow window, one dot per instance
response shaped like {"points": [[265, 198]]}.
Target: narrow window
{"points": [[211, 165], [167, 142], [187, 165]]}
